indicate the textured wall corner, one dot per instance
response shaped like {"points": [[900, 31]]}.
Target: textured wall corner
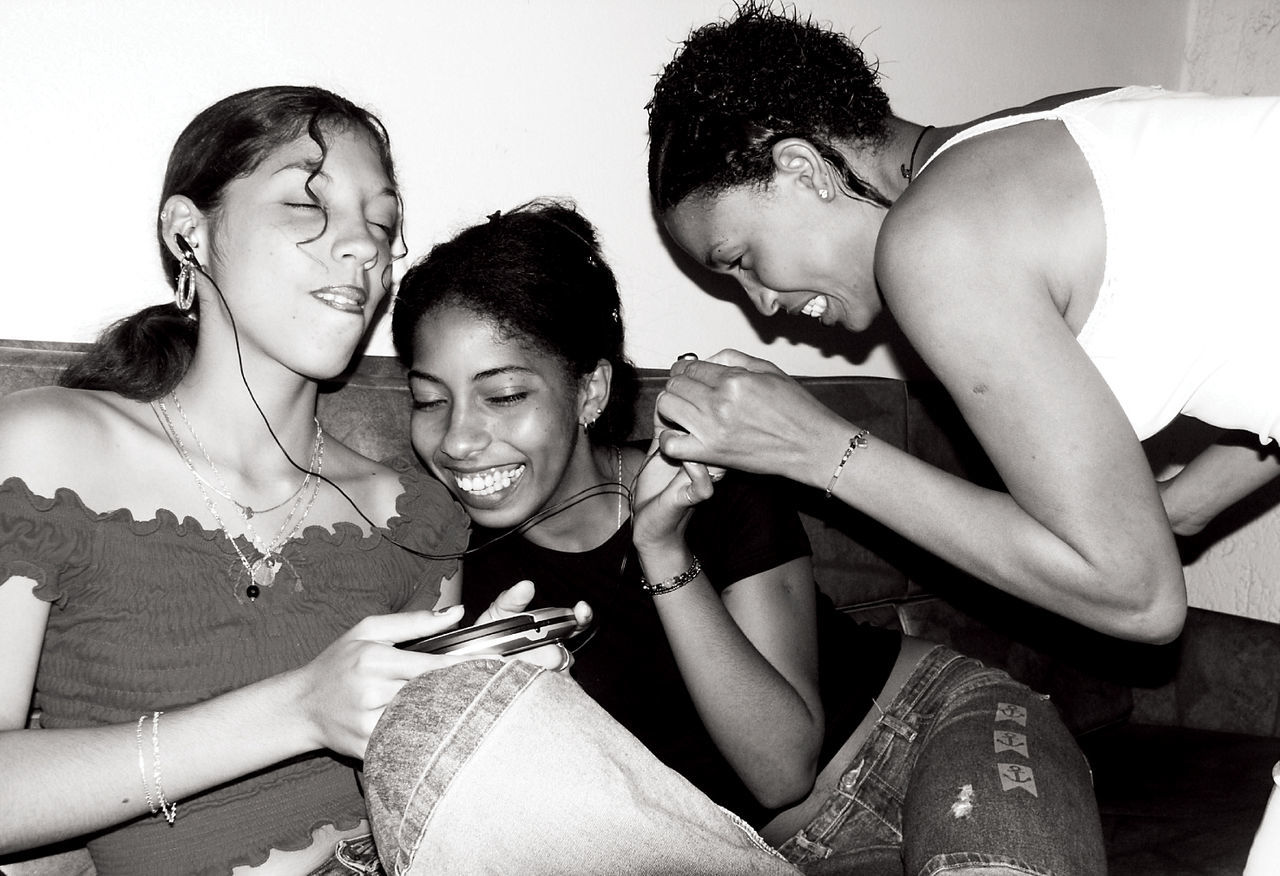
{"points": [[1240, 574], [1233, 47]]}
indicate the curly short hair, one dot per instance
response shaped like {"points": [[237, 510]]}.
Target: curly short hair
{"points": [[737, 87]]}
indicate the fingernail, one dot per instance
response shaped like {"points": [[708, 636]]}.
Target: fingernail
{"points": [[684, 356]]}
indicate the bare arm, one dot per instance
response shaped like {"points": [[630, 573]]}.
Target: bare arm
{"points": [[63, 783], [748, 656], [1218, 477], [1081, 530]]}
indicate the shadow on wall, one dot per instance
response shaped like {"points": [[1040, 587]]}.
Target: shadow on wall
{"points": [[1178, 443]]}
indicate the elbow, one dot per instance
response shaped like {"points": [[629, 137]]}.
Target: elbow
{"points": [[790, 781], [1149, 606], [1158, 624], [783, 793]]}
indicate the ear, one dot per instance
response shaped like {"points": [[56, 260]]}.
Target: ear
{"points": [[180, 216], [593, 391], [797, 162]]}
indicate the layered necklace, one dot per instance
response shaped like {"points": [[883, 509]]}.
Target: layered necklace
{"points": [[251, 577]]}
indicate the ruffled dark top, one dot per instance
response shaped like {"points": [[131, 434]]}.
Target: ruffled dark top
{"points": [[145, 616]]}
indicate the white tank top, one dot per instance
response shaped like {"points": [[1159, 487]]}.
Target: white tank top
{"points": [[1188, 313]]}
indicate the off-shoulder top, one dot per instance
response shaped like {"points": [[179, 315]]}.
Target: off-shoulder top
{"points": [[145, 616]]}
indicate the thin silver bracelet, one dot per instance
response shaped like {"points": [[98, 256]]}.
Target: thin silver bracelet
{"points": [[673, 583], [170, 810], [142, 767], [857, 442]]}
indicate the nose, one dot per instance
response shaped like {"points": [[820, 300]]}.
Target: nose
{"points": [[465, 435], [354, 242], [764, 298]]}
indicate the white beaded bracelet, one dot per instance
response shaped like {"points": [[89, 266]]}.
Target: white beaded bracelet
{"points": [[673, 583]]}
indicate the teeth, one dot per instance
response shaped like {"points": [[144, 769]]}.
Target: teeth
{"points": [[816, 306], [336, 298], [486, 483]]}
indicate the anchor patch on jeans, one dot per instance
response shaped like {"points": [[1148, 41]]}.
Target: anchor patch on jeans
{"points": [[1011, 712], [1016, 775], [1007, 740]]}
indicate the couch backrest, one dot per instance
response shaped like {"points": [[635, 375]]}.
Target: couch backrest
{"points": [[867, 570]]}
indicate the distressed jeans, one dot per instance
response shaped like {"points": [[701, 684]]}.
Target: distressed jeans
{"points": [[490, 767], [966, 770]]}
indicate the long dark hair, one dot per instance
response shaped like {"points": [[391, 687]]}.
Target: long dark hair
{"points": [[537, 275], [145, 355], [737, 87]]}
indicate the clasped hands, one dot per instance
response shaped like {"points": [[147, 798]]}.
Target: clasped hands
{"points": [[740, 412]]}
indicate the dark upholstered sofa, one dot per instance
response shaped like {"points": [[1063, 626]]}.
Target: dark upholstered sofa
{"points": [[1181, 737]]}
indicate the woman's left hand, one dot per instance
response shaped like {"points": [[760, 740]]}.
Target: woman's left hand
{"points": [[513, 601], [665, 495]]}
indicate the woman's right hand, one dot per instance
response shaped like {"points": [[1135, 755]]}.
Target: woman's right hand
{"points": [[344, 689], [741, 412]]}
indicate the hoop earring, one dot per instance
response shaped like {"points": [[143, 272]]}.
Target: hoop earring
{"points": [[185, 294], [587, 422]]}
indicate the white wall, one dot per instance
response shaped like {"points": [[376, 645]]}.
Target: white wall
{"points": [[489, 102], [1233, 47]]}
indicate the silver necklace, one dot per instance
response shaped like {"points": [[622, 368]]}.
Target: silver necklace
{"points": [[245, 511], [618, 450], [262, 571]]}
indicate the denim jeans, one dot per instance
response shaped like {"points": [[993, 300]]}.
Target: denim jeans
{"points": [[490, 767], [354, 855], [965, 768]]}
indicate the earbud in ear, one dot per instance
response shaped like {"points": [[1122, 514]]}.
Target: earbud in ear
{"points": [[185, 247]]}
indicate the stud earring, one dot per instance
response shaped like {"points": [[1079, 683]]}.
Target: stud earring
{"points": [[824, 194]]}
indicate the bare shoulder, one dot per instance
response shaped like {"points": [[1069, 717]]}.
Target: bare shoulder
{"points": [[374, 486], [54, 431], [1014, 210]]}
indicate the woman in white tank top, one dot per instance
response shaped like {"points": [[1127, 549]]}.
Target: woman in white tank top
{"points": [[1076, 272]]}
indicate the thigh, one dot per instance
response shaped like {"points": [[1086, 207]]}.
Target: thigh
{"points": [[999, 783]]}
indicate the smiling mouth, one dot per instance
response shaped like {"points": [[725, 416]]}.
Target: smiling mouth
{"points": [[488, 482], [350, 299], [815, 307]]}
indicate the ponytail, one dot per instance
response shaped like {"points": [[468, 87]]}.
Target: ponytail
{"points": [[141, 357]]}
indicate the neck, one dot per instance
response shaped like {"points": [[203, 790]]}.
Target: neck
{"points": [[593, 521], [909, 146], [232, 427]]}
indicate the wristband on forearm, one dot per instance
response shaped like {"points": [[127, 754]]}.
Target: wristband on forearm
{"points": [[857, 442]]}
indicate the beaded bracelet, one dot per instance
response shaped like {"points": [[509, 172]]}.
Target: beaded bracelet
{"points": [[855, 443], [673, 583]]}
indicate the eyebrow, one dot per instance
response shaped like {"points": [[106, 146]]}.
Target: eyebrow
{"points": [[415, 374]]}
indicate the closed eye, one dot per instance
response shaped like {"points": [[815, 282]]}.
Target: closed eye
{"points": [[430, 404], [513, 398]]}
